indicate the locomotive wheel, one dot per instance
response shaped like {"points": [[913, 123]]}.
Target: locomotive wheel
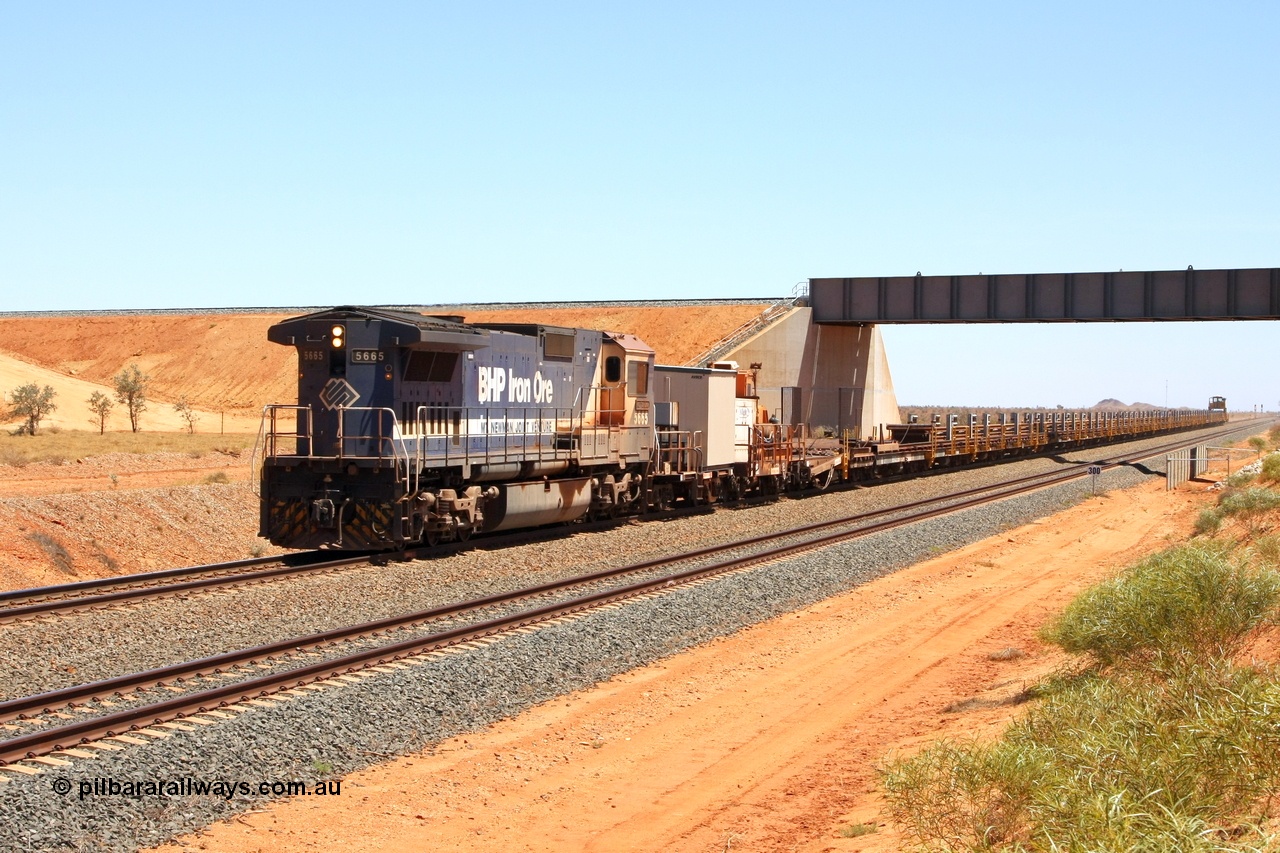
{"points": [[433, 538], [464, 533]]}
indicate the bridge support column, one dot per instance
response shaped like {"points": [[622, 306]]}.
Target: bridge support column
{"points": [[835, 377]]}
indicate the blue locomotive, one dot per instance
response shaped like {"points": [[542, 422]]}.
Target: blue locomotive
{"points": [[419, 429]]}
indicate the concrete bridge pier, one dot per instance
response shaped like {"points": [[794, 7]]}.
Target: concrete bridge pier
{"points": [[828, 377]]}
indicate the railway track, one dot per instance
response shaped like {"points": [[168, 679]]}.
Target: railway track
{"points": [[449, 626], [22, 604], [17, 605]]}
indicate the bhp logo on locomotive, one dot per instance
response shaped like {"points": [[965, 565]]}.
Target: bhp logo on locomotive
{"points": [[493, 381]]}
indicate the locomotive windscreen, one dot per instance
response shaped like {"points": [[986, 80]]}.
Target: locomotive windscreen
{"points": [[426, 366]]}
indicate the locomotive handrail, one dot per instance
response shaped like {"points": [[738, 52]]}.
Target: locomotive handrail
{"points": [[379, 438], [268, 438], [398, 453], [450, 447]]}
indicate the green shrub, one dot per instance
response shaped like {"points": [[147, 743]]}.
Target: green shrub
{"points": [[1208, 522], [1268, 548], [1124, 762], [1258, 443], [1240, 480], [1191, 601], [1271, 468], [1248, 504], [970, 796]]}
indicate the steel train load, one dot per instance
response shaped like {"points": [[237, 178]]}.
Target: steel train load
{"points": [[415, 429]]}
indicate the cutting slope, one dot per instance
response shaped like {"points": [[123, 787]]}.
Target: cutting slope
{"points": [[223, 362], [218, 361], [72, 395]]}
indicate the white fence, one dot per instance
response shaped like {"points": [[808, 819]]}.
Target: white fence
{"points": [[1185, 464]]}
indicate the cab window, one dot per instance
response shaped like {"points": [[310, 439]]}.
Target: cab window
{"points": [[613, 369], [637, 378]]}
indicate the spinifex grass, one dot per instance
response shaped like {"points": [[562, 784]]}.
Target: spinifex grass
{"points": [[68, 445], [1196, 602], [1123, 762], [1249, 503], [1165, 743], [1240, 480], [1209, 521]]}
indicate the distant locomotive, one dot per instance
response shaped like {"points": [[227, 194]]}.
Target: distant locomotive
{"points": [[1217, 404], [417, 429]]}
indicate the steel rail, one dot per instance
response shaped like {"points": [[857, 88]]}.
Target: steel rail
{"points": [[145, 577], [60, 598], [303, 563], [135, 593], [18, 708], [50, 740]]}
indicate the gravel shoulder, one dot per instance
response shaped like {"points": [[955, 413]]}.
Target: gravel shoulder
{"points": [[151, 634], [763, 739], [343, 729]]}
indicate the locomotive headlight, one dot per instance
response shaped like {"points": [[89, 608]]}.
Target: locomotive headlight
{"points": [[336, 336]]}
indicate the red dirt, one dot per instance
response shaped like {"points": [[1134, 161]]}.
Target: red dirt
{"points": [[766, 740], [676, 334], [223, 362]]}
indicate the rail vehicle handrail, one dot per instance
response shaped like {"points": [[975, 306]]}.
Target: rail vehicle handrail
{"points": [[444, 434], [774, 444], [379, 437], [269, 438], [303, 432], [550, 421], [398, 454], [674, 448]]}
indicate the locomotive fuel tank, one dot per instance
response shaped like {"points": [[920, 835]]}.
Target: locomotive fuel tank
{"points": [[533, 504]]}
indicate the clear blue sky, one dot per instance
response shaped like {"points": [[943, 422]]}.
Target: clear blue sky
{"points": [[261, 154]]}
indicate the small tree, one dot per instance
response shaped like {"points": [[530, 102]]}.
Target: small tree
{"points": [[131, 386], [33, 404], [101, 405], [188, 414]]}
